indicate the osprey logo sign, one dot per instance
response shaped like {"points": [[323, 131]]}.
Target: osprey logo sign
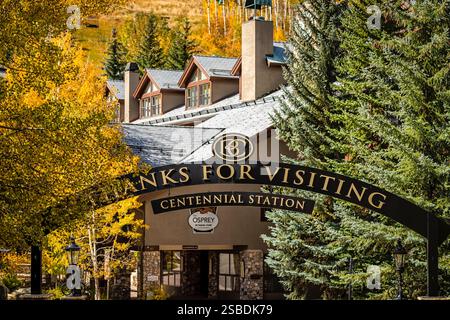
{"points": [[232, 147], [203, 220]]}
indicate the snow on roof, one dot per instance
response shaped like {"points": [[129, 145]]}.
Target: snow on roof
{"points": [[181, 113], [163, 145], [117, 87], [248, 120], [159, 145]]}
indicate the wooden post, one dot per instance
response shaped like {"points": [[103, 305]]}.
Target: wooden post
{"points": [[432, 256]]}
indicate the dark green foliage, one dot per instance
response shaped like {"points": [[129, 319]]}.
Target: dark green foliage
{"points": [[379, 112], [303, 251], [182, 47], [115, 62], [395, 115], [150, 53]]}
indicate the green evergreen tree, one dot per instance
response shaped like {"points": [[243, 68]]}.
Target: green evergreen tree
{"points": [[150, 54], [386, 121], [115, 62], [302, 247], [395, 99], [182, 47]]}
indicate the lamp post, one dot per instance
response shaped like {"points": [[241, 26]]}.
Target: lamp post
{"points": [[399, 258], [73, 281]]}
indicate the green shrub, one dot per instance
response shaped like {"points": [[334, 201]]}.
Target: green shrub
{"points": [[56, 293], [11, 281]]}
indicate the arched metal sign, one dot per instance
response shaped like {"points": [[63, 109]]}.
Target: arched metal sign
{"points": [[433, 228], [292, 176]]}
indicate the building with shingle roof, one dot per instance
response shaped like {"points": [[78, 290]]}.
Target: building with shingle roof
{"points": [[175, 118]]}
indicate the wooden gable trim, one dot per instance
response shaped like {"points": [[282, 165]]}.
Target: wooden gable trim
{"points": [[188, 71], [142, 84], [237, 67], [198, 83], [151, 94]]}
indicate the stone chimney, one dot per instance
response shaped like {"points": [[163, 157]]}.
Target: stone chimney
{"points": [[257, 78], [131, 105]]}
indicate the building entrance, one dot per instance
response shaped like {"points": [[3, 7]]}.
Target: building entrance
{"points": [[204, 274]]}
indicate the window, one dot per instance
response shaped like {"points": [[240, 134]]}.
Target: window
{"points": [[171, 268], [191, 98], [204, 95], [156, 110], [150, 107], [229, 271]]}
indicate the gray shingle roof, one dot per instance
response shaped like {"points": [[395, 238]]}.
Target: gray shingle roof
{"points": [[117, 87], [217, 66], [166, 78], [163, 145]]}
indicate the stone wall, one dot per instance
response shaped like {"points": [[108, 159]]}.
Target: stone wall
{"points": [[252, 285], [151, 276]]}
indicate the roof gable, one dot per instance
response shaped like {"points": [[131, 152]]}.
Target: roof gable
{"points": [[117, 88], [165, 79], [213, 66]]}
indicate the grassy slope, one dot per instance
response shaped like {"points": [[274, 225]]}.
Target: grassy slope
{"points": [[94, 40]]}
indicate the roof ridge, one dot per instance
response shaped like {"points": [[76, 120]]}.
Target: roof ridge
{"points": [[155, 69], [221, 57], [168, 126]]}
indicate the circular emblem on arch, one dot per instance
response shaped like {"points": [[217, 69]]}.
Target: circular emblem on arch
{"points": [[232, 147]]}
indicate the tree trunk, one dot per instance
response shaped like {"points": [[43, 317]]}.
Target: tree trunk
{"points": [[93, 254], [224, 13], [97, 288], [107, 288], [239, 4], [216, 15], [276, 14], [209, 16]]}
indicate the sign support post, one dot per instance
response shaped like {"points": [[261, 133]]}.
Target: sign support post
{"points": [[36, 270], [432, 256]]}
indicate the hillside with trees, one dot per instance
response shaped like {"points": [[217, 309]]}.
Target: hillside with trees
{"points": [[215, 24]]}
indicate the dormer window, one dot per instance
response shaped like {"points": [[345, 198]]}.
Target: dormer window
{"points": [[205, 96], [158, 92], [198, 93], [151, 106], [208, 80], [198, 96]]}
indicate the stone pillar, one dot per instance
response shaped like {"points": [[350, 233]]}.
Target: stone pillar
{"points": [[151, 271], [213, 274], [252, 285]]}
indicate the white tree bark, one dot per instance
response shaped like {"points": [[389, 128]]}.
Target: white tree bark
{"points": [[224, 13], [93, 254], [209, 15]]}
